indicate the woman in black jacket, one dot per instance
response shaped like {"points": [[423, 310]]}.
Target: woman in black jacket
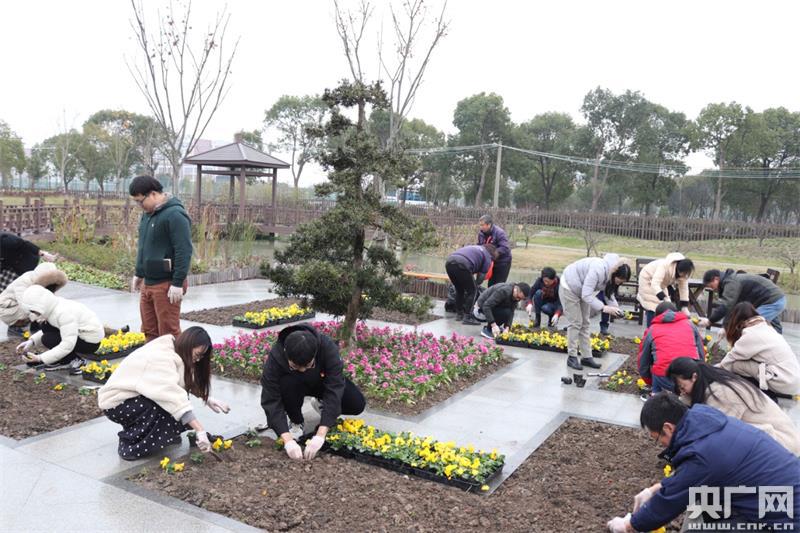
{"points": [[18, 256], [301, 363]]}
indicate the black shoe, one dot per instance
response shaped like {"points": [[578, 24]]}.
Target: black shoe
{"points": [[604, 331], [57, 366], [470, 321], [75, 367], [486, 331], [459, 316], [573, 362], [590, 362], [538, 322], [126, 329]]}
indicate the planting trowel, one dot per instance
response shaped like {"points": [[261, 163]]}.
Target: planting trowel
{"points": [[598, 375]]}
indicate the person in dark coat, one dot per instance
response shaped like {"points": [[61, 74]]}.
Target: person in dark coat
{"points": [[491, 233], [18, 256], [303, 362], [707, 449], [497, 304], [734, 287], [467, 267], [544, 298]]}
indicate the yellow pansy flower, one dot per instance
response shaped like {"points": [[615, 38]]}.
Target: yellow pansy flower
{"points": [[164, 462], [178, 467]]}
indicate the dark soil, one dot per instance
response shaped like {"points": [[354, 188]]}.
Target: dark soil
{"points": [[28, 408], [223, 316], [554, 490]]}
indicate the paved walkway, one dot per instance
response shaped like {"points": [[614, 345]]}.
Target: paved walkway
{"points": [[73, 479]]}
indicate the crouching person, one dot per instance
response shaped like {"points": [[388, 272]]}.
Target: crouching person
{"points": [[148, 394], [713, 452], [11, 311], [66, 329], [303, 363], [498, 303]]}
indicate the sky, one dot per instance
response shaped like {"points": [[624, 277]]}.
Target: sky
{"points": [[62, 61]]}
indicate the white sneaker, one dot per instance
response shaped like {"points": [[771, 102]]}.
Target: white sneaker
{"points": [[316, 405], [296, 430]]}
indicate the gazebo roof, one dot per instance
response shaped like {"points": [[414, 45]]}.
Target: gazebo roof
{"points": [[236, 154]]}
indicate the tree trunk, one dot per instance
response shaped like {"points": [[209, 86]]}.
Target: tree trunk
{"points": [[595, 184], [348, 332], [482, 183]]}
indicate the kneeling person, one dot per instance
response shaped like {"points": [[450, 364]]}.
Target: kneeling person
{"points": [[303, 363], [498, 303]]}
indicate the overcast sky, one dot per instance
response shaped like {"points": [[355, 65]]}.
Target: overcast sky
{"points": [[68, 58]]}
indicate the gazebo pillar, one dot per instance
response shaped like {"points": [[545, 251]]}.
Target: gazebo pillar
{"points": [[231, 194], [274, 198], [242, 180], [198, 185]]}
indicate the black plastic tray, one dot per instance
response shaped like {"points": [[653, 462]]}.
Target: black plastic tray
{"points": [[520, 344], [112, 355], [250, 325], [89, 376]]}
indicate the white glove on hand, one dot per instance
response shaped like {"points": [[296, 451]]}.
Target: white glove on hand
{"points": [[313, 446], [47, 256], [25, 346], [136, 284], [619, 524], [703, 322], [554, 320], [495, 330], [529, 309], [217, 406], [642, 498], [293, 450], [175, 294], [202, 441], [31, 357], [611, 310]]}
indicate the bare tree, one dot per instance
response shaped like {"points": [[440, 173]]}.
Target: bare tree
{"points": [[184, 81], [789, 255], [591, 240], [404, 73]]}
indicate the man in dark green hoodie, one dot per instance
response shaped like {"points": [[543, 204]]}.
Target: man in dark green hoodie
{"points": [[163, 257]]}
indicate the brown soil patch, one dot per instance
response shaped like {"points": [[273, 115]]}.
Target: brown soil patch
{"points": [[554, 490]]}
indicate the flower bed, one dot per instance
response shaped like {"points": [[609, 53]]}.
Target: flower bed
{"points": [[404, 371], [118, 345], [273, 316], [98, 372], [528, 337], [444, 462]]}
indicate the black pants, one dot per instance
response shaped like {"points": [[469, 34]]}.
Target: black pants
{"points": [[51, 338], [503, 316], [464, 282], [295, 386], [500, 273]]}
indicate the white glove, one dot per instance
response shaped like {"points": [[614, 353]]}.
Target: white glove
{"points": [[495, 330], [31, 357], [686, 312], [554, 320], [175, 294], [611, 310], [217, 406], [136, 284], [529, 309], [619, 524], [47, 256], [703, 322], [202, 441], [293, 450], [25, 346], [313, 446], [642, 498]]}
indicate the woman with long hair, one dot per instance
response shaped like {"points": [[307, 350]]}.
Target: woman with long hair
{"points": [[656, 279], [735, 396], [148, 394], [759, 353]]}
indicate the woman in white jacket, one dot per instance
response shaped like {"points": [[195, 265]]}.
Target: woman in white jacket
{"points": [[759, 353], [11, 312], [148, 394], [68, 329], [658, 276]]}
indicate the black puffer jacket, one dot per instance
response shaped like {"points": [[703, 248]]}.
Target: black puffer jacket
{"points": [[735, 288], [17, 254], [328, 369]]}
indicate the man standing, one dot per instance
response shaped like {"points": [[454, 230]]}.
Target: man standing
{"points": [[734, 287], [163, 257], [491, 233]]}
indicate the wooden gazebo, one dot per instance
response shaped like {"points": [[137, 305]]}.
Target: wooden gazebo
{"points": [[237, 159]]}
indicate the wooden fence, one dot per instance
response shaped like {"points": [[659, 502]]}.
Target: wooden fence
{"points": [[36, 217]]}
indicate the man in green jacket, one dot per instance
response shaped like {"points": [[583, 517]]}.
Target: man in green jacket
{"points": [[163, 257]]}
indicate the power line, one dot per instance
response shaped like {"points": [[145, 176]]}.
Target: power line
{"points": [[627, 166]]}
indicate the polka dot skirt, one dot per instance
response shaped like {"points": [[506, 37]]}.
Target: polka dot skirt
{"points": [[146, 427]]}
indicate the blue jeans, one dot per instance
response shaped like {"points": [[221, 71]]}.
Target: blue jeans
{"points": [[772, 313], [548, 308], [661, 383], [605, 318], [648, 317]]}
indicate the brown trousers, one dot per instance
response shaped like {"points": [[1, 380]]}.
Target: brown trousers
{"points": [[159, 317]]}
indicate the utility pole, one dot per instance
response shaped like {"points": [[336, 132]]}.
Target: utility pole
{"points": [[495, 202]]}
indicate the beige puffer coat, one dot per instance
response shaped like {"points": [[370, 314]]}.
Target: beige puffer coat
{"points": [[656, 276], [45, 275]]}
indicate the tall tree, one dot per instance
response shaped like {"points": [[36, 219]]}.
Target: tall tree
{"points": [[94, 155], [293, 118], [37, 166], [114, 131], [12, 154], [334, 247], [184, 80], [62, 150], [715, 130], [481, 119], [252, 138]]}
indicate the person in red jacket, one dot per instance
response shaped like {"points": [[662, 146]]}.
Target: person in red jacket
{"points": [[671, 335]]}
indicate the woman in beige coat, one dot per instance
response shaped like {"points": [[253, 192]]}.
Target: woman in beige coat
{"points": [[759, 353], [657, 276], [734, 396]]}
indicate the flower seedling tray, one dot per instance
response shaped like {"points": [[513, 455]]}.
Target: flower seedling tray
{"points": [[251, 325], [91, 376], [402, 468], [520, 344], [112, 355]]}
